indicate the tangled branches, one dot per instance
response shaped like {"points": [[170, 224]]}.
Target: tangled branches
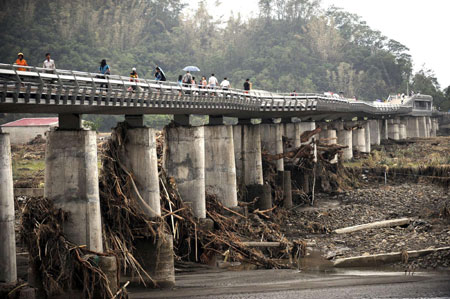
{"points": [[60, 264]]}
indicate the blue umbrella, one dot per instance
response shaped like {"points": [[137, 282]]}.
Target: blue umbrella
{"points": [[191, 68]]}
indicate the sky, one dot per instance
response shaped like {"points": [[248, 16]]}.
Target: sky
{"points": [[421, 25]]}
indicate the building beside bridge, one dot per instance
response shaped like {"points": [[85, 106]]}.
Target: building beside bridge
{"points": [[26, 129]]}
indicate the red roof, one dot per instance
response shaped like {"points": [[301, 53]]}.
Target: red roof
{"points": [[33, 122]]}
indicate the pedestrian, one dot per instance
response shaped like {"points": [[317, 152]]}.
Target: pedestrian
{"points": [[204, 82], [247, 86], [225, 84], [104, 70], [180, 80], [213, 82], [49, 64], [193, 82], [187, 79], [159, 74], [21, 61], [133, 78]]}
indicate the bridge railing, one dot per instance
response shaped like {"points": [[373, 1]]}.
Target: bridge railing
{"points": [[59, 84]]}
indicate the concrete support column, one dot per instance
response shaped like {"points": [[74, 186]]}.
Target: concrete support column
{"points": [[359, 140], [433, 127], [344, 137], [184, 160], [422, 127], [328, 136], [384, 129], [429, 129], [367, 138], [412, 127], [140, 158], [293, 132], [220, 167], [272, 141], [394, 130], [375, 136], [71, 182], [402, 130], [8, 270], [247, 150]]}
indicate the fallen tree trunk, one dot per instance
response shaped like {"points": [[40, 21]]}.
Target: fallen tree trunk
{"points": [[261, 244], [377, 224], [382, 258]]}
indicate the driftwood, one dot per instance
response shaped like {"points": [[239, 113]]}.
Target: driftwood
{"points": [[308, 134], [382, 258], [377, 224]]}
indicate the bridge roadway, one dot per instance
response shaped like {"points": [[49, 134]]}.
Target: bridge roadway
{"points": [[61, 91]]}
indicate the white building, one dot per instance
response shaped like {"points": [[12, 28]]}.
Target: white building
{"points": [[26, 129]]}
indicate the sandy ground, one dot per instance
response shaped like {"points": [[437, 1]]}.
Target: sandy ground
{"points": [[295, 284]]}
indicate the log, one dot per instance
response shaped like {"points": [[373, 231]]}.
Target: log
{"points": [[377, 224], [382, 258], [261, 244]]}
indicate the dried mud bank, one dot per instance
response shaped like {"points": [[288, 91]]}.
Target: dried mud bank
{"points": [[426, 204]]}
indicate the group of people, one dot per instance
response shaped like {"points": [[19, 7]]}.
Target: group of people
{"points": [[48, 64], [186, 80]]}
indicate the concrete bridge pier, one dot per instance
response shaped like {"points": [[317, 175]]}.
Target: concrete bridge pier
{"points": [[402, 132], [384, 129], [429, 126], [344, 137], [367, 135], [247, 149], [292, 130], [140, 158], [375, 136], [8, 269], [434, 127], [272, 140], [184, 160], [220, 167], [412, 127], [328, 136], [71, 180], [422, 123], [359, 140], [394, 131]]}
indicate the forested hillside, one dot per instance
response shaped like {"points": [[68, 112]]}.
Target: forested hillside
{"points": [[291, 45]]}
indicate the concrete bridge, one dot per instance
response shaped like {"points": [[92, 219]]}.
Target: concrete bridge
{"points": [[216, 157]]}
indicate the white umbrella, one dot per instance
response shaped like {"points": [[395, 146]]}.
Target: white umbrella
{"points": [[191, 68]]}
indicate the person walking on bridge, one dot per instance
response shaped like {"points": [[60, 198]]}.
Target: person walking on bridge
{"points": [[225, 84], [187, 81], [159, 74], [247, 86], [21, 61], [213, 82], [104, 70], [49, 64], [133, 78]]}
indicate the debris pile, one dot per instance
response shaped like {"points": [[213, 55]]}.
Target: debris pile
{"points": [[59, 264], [312, 169]]}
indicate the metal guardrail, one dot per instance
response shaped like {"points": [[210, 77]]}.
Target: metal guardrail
{"points": [[66, 87]]}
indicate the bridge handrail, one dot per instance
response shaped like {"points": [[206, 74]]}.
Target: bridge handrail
{"points": [[254, 100]]}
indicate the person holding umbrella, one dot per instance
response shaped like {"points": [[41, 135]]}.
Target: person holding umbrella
{"points": [[159, 74]]}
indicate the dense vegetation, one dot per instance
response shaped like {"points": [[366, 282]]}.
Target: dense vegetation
{"points": [[291, 45]]}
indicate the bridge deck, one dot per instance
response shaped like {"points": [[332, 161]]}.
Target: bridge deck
{"points": [[37, 91]]}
